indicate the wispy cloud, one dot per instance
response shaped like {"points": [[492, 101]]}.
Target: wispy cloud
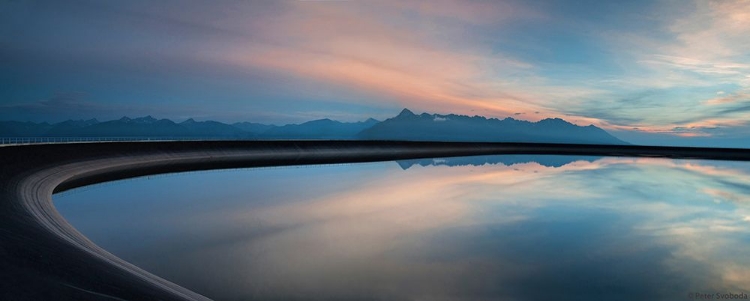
{"points": [[677, 68], [673, 75], [389, 52], [741, 96]]}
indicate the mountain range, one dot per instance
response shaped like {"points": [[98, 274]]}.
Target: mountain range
{"points": [[436, 127], [404, 126]]}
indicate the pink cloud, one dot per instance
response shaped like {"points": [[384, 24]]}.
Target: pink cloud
{"points": [[403, 58], [732, 98]]}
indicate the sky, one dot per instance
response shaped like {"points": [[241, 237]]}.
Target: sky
{"points": [[649, 72]]}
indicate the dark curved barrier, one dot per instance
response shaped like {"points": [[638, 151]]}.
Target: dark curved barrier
{"points": [[43, 258]]}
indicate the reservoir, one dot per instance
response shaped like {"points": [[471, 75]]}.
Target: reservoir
{"points": [[511, 227]]}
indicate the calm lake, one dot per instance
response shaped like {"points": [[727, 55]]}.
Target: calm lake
{"points": [[472, 228]]}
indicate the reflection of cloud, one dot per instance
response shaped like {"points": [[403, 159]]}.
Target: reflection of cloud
{"points": [[394, 214], [629, 227], [681, 211]]}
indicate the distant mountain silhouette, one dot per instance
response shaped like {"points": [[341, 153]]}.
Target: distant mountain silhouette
{"points": [[70, 126], [319, 129], [124, 127], [151, 127], [435, 127], [253, 128], [213, 129], [405, 126], [507, 160]]}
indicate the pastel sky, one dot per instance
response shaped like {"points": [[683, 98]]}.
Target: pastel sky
{"points": [[647, 71]]}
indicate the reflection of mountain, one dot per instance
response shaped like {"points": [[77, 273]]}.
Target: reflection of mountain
{"points": [[434, 127], [507, 160]]}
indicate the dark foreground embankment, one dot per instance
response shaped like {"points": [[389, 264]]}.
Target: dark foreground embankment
{"points": [[43, 258]]}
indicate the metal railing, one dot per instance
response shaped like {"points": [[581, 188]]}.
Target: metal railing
{"points": [[38, 140]]}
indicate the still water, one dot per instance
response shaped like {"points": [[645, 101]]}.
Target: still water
{"points": [[473, 228]]}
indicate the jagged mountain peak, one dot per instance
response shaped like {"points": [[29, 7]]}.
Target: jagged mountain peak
{"points": [[451, 127], [406, 113], [554, 119], [145, 119]]}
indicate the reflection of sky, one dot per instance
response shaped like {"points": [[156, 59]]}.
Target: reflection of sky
{"points": [[613, 228]]}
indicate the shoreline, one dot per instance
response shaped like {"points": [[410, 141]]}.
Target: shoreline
{"points": [[46, 258]]}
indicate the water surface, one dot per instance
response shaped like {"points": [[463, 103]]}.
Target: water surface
{"points": [[474, 228]]}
